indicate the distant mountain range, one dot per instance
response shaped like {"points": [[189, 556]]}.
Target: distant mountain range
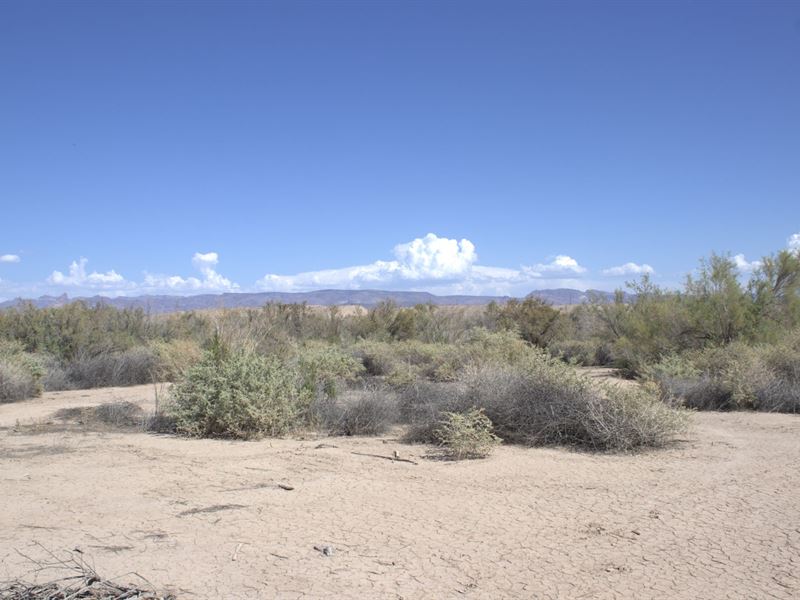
{"points": [[366, 298]]}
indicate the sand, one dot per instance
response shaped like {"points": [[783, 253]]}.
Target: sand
{"points": [[715, 516]]}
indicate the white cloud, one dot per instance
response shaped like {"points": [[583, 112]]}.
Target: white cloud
{"points": [[9, 258], [78, 277], [433, 257], [744, 265], [436, 264], [793, 242], [210, 281], [112, 283], [560, 264], [629, 268], [432, 263]]}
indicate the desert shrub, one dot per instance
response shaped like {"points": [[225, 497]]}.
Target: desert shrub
{"points": [[174, 357], [544, 401], [119, 414], [377, 357], [404, 362], [629, 417], [783, 358], [20, 373], [780, 392], [422, 406], [111, 414], [701, 393], [16, 382], [133, 367], [55, 375], [239, 395], [777, 395], [326, 367], [680, 383], [497, 347], [466, 435], [533, 319], [371, 411], [537, 403], [547, 402], [75, 329], [735, 376], [587, 353]]}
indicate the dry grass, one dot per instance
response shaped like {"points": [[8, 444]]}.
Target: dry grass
{"points": [[78, 581]]}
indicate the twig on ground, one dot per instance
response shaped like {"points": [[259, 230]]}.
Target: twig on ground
{"points": [[392, 458]]}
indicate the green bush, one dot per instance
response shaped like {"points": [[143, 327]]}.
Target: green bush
{"points": [[466, 435], [404, 362], [735, 376], [533, 319], [587, 353], [174, 357], [326, 367], [239, 395], [75, 329]]}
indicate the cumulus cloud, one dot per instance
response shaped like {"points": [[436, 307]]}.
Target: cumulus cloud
{"points": [[560, 264], [9, 258], [112, 283], [78, 277], [744, 265], [430, 258], [793, 243], [433, 257], [211, 280], [440, 265], [629, 268]]}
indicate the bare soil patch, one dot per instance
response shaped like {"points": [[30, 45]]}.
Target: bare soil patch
{"points": [[714, 516]]}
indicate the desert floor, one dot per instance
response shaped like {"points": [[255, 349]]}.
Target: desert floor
{"points": [[715, 516]]}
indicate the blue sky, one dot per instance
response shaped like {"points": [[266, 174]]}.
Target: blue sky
{"points": [[474, 147]]}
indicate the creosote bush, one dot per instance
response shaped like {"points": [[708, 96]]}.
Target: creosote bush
{"points": [[544, 401], [370, 411], [403, 363], [20, 373], [16, 381], [132, 367], [325, 367], [736, 376], [466, 435], [239, 395]]}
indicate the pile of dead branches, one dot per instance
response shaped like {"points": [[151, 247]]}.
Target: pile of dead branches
{"points": [[77, 581]]}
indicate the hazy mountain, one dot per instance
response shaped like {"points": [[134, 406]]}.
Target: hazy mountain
{"points": [[367, 298]]}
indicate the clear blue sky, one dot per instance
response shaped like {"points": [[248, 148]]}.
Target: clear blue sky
{"points": [[195, 146]]}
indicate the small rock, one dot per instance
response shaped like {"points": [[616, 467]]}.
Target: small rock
{"points": [[326, 550]]}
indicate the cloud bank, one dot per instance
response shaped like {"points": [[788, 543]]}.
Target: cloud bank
{"points": [[433, 263], [629, 268], [78, 277], [211, 281]]}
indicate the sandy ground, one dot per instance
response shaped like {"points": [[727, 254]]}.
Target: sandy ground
{"points": [[715, 516]]}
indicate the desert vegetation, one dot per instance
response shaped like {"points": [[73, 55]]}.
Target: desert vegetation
{"points": [[460, 377]]}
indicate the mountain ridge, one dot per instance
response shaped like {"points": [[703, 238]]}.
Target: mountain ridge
{"points": [[331, 297]]}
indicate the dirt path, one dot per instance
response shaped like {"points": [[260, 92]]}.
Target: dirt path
{"points": [[717, 516]]}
